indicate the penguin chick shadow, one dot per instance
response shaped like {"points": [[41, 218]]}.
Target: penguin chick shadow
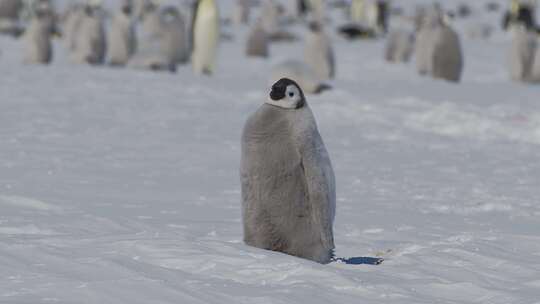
{"points": [[360, 260]]}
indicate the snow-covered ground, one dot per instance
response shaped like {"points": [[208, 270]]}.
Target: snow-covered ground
{"points": [[121, 186]]}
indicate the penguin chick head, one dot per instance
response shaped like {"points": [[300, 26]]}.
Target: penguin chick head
{"points": [[287, 94]]}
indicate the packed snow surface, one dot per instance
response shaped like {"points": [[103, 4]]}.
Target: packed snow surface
{"points": [[121, 186]]}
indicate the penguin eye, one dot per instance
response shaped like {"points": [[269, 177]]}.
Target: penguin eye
{"points": [[291, 94]]}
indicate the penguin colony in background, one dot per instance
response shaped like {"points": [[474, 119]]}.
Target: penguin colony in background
{"points": [[288, 186], [139, 33]]}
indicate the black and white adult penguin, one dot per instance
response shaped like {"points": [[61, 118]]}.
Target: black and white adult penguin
{"points": [[91, 43], [206, 34], [302, 73], [9, 17], [288, 184], [520, 12], [121, 39], [257, 44], [37, 36], [319, 53], [446, 53], [522, 53]]}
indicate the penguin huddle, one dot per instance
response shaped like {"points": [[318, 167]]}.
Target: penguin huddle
{"points": [[140, 33]]}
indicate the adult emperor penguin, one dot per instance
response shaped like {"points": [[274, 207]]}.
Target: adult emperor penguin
{"points": [[447, 56], [522, 53], [206, 33], [257, 44], [288, 184], [121, 37], [302, 73], [318, 52], [90, 45], [38, 38]]}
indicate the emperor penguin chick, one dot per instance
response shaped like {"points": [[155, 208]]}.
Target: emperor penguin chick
{"points": [[318, 52], [447, 56], [399, 46], [91, 44], [38, 39], [206, 33], [175, 40], [258, 42], [535, 71], [122, 38], [164, 51], [241, 12], [288, 184], [522, 53]]}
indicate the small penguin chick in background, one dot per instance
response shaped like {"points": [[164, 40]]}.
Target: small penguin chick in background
{"points": [[319, 53], [38, 39]]}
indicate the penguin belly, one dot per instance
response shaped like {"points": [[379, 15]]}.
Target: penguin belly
{"points": [[206, 34]]}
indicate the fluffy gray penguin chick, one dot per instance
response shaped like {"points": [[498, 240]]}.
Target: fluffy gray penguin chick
{"points": [[288, 184]]}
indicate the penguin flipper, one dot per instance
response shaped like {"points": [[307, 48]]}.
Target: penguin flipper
{"points": [[320, 182]]}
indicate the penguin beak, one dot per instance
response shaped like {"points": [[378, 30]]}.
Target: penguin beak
{"points": [[277, 93]]}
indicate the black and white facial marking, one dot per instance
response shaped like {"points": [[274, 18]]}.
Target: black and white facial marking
{"points": [[286, 94]]}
